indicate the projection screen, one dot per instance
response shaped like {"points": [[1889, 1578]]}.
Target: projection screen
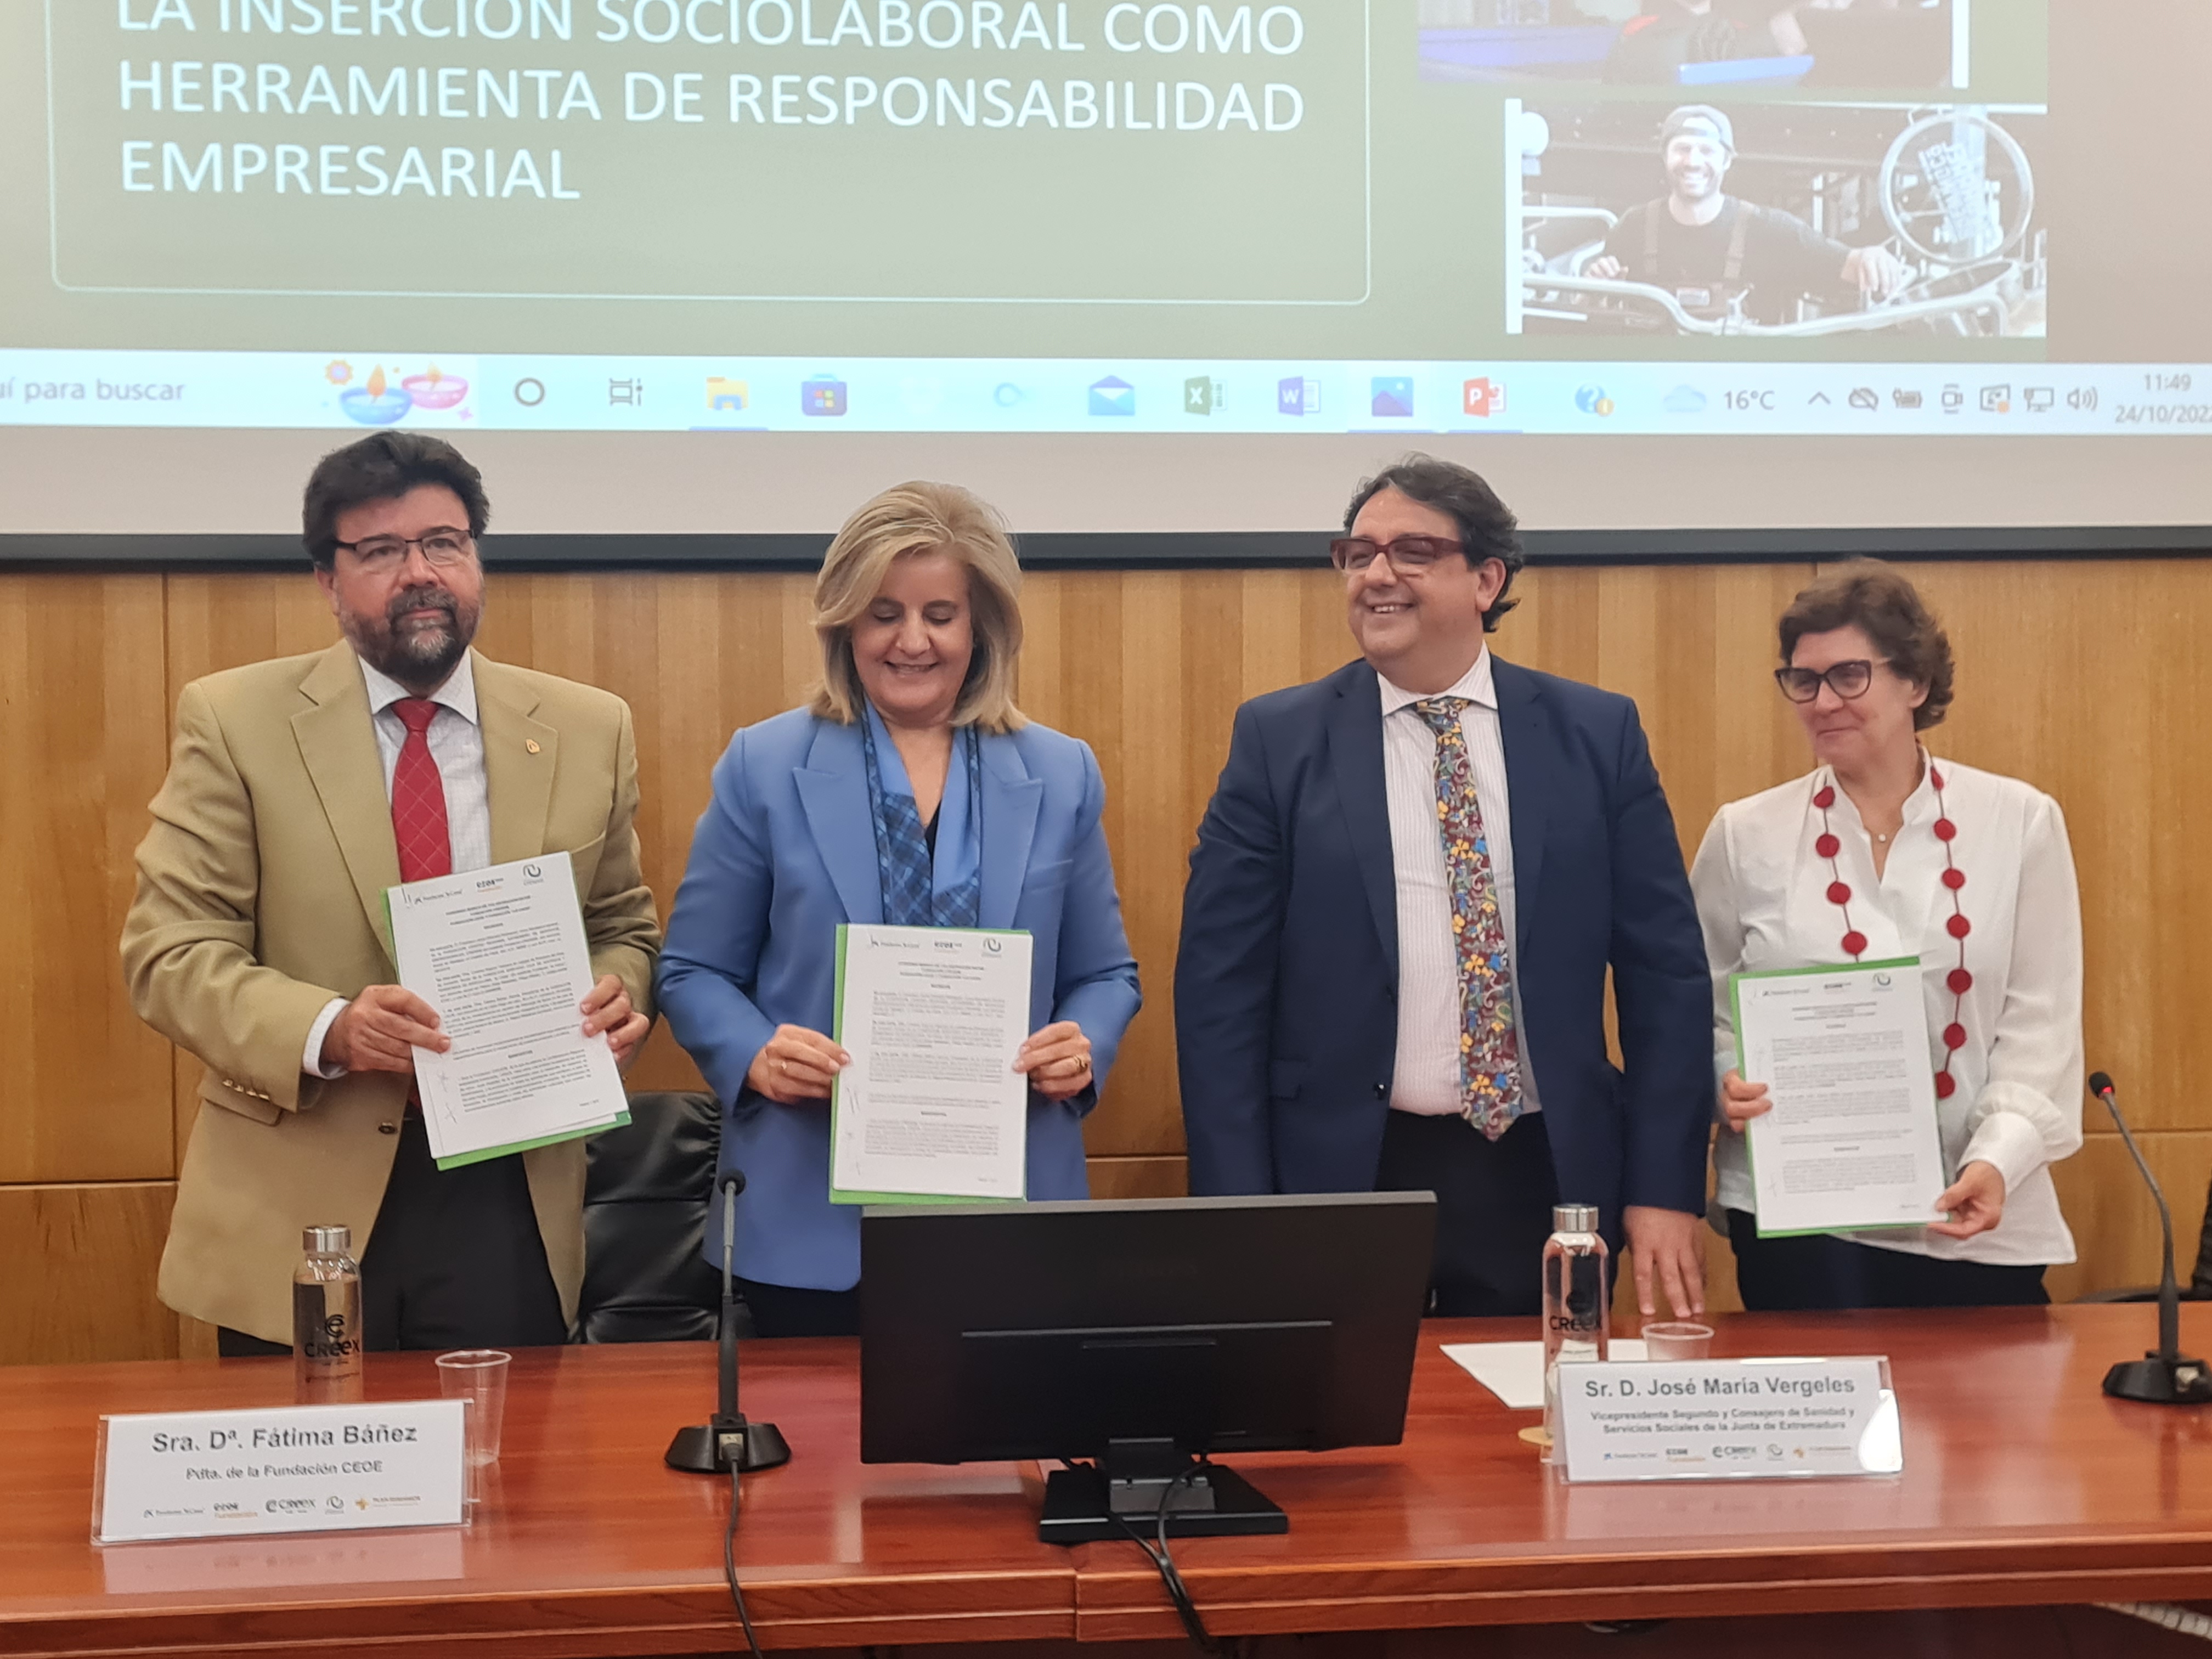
{"points": [[722, 267]]}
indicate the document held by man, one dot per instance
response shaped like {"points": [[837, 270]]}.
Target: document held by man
{"points": [[500, 954], [931, 1106], [1851, 1142]]}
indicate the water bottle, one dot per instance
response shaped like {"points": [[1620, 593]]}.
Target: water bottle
{"points": [[1577, 1312], [327, 1318]]}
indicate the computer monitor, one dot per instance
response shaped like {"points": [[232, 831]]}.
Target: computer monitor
{"points": [[1148, 1336]]}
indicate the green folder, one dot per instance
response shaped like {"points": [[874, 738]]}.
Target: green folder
{"points": [[1750, 1157], [844, 1195], [486, 1154], [621, 1122]]}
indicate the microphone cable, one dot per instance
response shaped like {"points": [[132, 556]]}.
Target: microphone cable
{"points": [[730, 1562], [732, 1183]]}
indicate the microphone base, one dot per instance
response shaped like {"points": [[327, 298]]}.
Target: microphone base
{"points": [[704, 1448], [765, 1448], [2160, 1382]]}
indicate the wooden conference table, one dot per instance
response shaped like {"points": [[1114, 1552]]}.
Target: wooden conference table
{"points": [[2023, 1486]]}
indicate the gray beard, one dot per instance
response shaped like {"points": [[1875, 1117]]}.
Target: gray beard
{"points": [[418, 657]]}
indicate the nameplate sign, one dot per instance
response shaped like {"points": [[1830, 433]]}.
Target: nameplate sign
{"points": [[1729, 1419], [279, 1469]]}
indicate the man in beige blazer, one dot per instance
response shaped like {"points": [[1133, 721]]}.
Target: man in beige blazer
{"points": [[258, 941]]}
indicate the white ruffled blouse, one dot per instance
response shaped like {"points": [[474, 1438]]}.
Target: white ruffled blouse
{"points": [[1762, 893]]}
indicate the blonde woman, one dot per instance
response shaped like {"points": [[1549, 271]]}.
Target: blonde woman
{"points": [[909, 791]]}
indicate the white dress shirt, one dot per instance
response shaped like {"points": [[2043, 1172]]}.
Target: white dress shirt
{"points": [[1426, 1080], [1762, 894], [456, 741]]}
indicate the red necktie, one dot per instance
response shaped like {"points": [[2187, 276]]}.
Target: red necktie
{"points": [[419, 798]]}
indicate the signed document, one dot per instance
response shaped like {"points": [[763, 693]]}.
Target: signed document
{"points": [[1851, 1142], [500, 953], [931, 1106]]}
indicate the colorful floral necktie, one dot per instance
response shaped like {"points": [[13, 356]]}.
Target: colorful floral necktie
{"points": [[1489, 1047]]}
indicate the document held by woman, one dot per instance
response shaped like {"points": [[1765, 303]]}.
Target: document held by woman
{"points": [[931, 1106], [1851, 1142]]}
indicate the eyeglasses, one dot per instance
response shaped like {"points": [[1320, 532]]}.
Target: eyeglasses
{"points": [[1407, 555], [381, 555], [1845, 679]]}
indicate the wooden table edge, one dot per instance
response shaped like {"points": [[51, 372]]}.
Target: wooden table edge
{"points": [[719, 1636], [693, 1618], [1527, 1604]]}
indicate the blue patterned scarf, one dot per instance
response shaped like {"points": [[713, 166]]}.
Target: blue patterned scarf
{"points": [[918, 892]]}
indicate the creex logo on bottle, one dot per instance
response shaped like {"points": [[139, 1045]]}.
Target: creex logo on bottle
{"points": [[329, 1341]]}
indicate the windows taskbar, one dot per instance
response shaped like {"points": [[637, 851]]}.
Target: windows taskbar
{"points": [[351, 389]]}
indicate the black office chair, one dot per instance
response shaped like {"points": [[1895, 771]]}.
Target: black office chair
{"points": [[646, 1196], [2198, 1287]]}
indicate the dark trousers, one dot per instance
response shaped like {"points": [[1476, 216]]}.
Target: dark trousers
{"points": [[1821, 1272], [1494, 1201], [456, 1260], [787, 1310]]}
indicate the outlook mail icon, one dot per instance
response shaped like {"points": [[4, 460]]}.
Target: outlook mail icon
{"points": [[1112, 396], [1393, 396]]}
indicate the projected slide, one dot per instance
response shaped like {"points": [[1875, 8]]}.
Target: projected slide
{"points": [[1717, 252], [642, 150], [1007, 215]]}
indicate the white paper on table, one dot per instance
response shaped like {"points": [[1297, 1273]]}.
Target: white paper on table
{"points": [[1514, 1371], [500, 954], [1851, 1142], [931, 1106]]}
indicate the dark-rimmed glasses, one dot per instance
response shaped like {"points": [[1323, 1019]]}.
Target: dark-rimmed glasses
{"points": [[1846, 679], [380, 555], [1408, 553]]}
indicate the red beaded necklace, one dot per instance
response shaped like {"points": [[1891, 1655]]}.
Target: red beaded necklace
{"points": [[1959, 981]]}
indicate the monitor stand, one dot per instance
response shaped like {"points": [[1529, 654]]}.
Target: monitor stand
{"points": [[1121, 1493]]}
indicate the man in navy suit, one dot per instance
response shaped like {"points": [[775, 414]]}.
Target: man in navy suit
{"points": [[1407, 890]]}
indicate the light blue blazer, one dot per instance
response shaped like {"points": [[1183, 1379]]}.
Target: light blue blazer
{"points": [[786, 851]]}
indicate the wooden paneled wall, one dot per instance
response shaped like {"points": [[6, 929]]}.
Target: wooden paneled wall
{"points": [[2087, 679]]}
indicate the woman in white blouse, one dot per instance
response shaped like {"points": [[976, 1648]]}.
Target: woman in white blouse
{"points": [[1886, 850]]}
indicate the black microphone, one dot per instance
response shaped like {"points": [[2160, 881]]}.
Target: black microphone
{"points": [[2162, 1376], [727, 1442]]}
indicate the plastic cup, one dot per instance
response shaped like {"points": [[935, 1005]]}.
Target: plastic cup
{"points": [[479, 1377], [1677, 1339]]}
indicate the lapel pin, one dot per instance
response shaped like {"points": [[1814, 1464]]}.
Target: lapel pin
{"points": [[531, 743]]}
